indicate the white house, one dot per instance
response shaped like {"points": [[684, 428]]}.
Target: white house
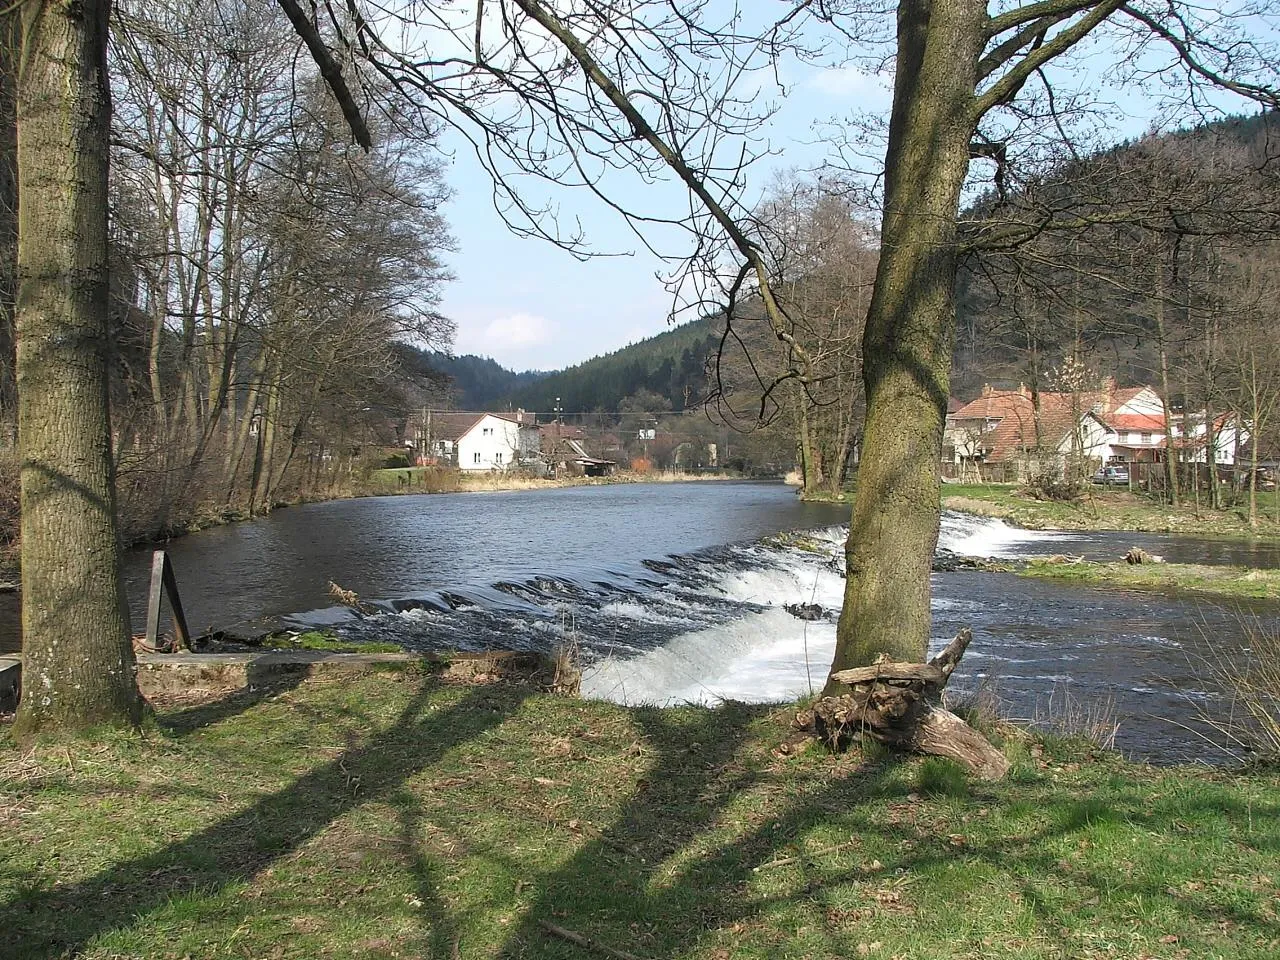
{"points": [[478, 441]]}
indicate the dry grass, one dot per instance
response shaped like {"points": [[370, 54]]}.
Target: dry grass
{"points": [[1251, 678], [1066, 715]]}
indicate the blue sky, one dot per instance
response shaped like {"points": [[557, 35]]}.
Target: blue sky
{"points": [[530, 305]]}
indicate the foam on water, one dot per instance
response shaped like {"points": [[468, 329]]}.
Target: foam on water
{"points": [[767, 655], [759, 657], [987, 537], [713, 625]]}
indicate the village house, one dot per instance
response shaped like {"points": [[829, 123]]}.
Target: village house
{"points": [[476, 441], [1011, 431], [563, 447]]}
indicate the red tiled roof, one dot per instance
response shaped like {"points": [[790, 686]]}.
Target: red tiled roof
{"points": [[451, 426], [1018, 432], [565, 431], [1016, 422], [1145, 422], [993, 406], [1118, 398]]}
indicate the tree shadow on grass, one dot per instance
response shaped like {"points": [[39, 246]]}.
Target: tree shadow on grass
{"points": [[262, 684], [67, 918], [693, 893], [677, 885]]}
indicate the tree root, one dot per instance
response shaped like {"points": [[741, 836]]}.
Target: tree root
{"points": [[899, 704]]}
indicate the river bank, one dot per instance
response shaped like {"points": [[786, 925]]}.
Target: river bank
{"points": [[398, 816], [1171, 578], [1106, 509]]}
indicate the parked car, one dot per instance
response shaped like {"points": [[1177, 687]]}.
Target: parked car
{"points": [[1116, 476]]}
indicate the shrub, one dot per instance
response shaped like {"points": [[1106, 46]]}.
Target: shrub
{"points": [[1067, 716]]}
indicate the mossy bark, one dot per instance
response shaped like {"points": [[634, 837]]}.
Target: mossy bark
{"points": [[78, 668], [9, 42], [909, 335]]}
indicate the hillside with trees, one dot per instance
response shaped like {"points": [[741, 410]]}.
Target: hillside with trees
{"points": [[466, 381], [671, 365]]}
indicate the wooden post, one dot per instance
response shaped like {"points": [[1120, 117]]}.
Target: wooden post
{"points": [[163, 580]]}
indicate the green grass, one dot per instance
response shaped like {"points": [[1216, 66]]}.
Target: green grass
{"points": [[323, 640], [395, 817], [1109, 509], [1218, 581]]}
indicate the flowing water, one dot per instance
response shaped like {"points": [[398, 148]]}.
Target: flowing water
{"points": [[676, 592]]}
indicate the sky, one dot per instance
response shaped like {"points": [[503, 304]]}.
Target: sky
{"points": [[530, 305]]}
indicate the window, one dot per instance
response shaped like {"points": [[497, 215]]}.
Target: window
{"points": [[497, 457], [477, 457], [1146, 438]]}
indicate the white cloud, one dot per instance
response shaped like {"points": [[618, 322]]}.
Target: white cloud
{"points": [[519, 331], [852, 82]]}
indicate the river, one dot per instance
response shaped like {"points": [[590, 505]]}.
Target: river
{"points": [[675, 592]]}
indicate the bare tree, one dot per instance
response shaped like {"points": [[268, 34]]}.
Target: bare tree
{"points": [[1251, 357], [965, 76], [821, 252]]}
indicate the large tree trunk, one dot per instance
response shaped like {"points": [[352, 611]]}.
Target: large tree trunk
{"points": [[9, 43], [909, 337], [78, 665]]}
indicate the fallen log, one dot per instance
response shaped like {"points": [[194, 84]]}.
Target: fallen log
{"points": [[900, 704]]}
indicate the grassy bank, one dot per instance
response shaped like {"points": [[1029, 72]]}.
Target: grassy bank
{"points": [[1107, 509], [1216, 581], [392, 817]]}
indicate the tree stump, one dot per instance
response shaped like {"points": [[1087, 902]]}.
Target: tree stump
{"points": [[900, 704]]}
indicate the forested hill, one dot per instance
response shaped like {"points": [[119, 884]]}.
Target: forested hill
{"points": [[671, 365], [467, 382], [1184, 221]]}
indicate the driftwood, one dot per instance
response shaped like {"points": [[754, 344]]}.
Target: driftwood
{"points": [[577, 939], [900, 704], [1137, 555]]}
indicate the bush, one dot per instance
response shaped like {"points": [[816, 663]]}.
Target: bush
{"points": [[1048, 481], [396, 461]]}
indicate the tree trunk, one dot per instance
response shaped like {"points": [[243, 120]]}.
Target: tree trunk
{"points": [[1257, 429], [909, 337], [810, 460], [836, 474], [9, 44], [1170, 451], [78, 665]]}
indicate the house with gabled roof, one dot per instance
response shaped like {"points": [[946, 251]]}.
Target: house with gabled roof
{"points": [[564, 447], [477, 441], [1109, 425]]}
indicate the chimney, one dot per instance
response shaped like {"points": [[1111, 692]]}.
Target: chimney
{"points": [[1022, 389], [1108, 394], [520, 415], [986, 389]]}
